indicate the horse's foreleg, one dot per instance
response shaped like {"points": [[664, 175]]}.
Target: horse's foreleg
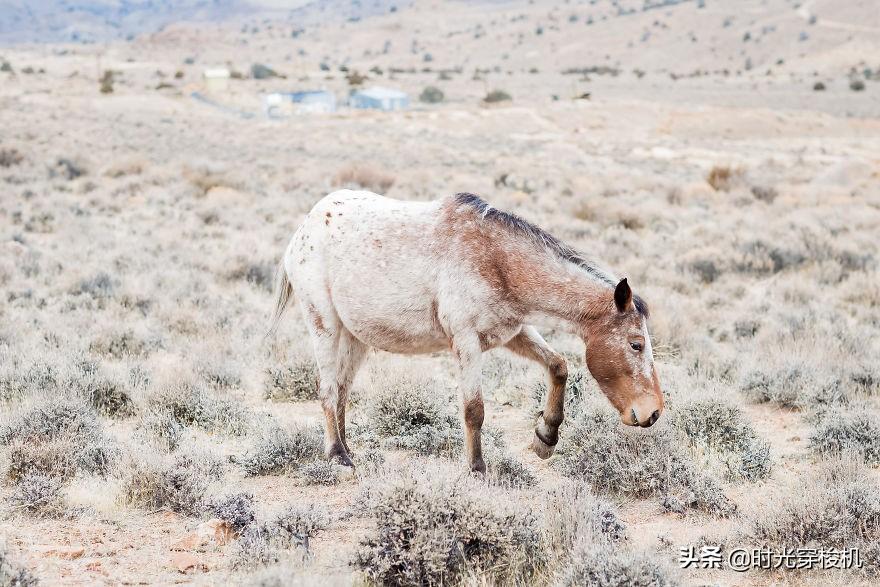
{"points": [[529, 344], [467, 350]]}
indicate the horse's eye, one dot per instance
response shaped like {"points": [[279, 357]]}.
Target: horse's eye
{"points": [[636, 346]]}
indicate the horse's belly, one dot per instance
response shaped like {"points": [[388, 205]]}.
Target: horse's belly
{"points": [[407, 335]]}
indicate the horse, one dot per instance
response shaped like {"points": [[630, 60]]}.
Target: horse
{"points": [[458, 274]]}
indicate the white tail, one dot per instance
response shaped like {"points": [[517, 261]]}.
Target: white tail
{"points": [[283, 295]]}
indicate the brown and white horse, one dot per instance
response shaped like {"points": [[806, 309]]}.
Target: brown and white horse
{"points": [[458, 274]]}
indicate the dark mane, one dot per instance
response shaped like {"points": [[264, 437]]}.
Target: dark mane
{"points": [[541, 238]]}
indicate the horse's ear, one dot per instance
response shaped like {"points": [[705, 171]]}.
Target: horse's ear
{"points": [[623, 295]]}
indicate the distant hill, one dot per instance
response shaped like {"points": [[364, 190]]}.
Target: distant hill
{"points": [[26, 21]]}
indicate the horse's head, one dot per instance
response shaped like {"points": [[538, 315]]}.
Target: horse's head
{"points": [[619, 358]]}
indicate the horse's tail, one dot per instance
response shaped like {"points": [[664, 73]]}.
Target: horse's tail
{"points": [[283, 295]]}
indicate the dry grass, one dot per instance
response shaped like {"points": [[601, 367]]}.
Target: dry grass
{"points": [[363, 176]]}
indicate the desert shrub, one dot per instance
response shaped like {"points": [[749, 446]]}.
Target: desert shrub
{"points": [[268, 543], [123, 343], [236, 509], [764, 193], [162, 427], [109, 397], [56, 437], [320, 472], [431, 95], [857, 85], [436, 529], [615, 459], [848, 431], [497, 96], [361, 176], [39, 495], [723, 430], [178, 484], [106, 82], [792, 383], [298, 382], [260, 71], [412, 414], [277, 450], [722, 177], [258, 273], [600, 565], [13, 575], [192, 405], [10, 157], [19, 378], [839, 507], [819, 87], [504, 469], [99, 286], [573, 513]]}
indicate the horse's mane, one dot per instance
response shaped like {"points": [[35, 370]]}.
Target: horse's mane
{"points": [[542, 238]]}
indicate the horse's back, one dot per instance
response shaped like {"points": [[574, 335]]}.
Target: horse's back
{"points": [[376, 259]]}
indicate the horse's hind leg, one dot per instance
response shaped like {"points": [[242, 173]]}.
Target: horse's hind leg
{"points": [[350, 357], [326, 332], [529, 344], [467, 349]]}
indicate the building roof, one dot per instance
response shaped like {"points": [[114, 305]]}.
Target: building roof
{"points": [[379, 93]]}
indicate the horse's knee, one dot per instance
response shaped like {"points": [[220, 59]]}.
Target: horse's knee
{"points": [[558, 371], [474, 413]]}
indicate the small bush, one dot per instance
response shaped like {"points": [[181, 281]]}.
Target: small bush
{"points": [[497, 96], [190, 405], [122, 344], [11, 574], [319, 472], [435, 530], [722, 177], [56, 437], [106, 82], [39, 495], [259, 274], [278, 450], [792, 383], [615, 459], [298, 382], [413, 414], [10, 157], [841, 431], [260, 71], [237, 510], [431, 95], [600, 565], [178, 484], [838, 508], [723, 430], [263, 544], [362, 176], [857, 85], [162, 427]]}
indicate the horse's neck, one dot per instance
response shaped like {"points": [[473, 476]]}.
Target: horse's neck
{"points": [[563, 293]]}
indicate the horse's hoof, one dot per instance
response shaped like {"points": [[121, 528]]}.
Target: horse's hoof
{"points": [[543, 450], [342, 459], [478, 468]]}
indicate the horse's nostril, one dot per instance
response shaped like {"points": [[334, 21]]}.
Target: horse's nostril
{"points": [[635, 420], [654, 417]]}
